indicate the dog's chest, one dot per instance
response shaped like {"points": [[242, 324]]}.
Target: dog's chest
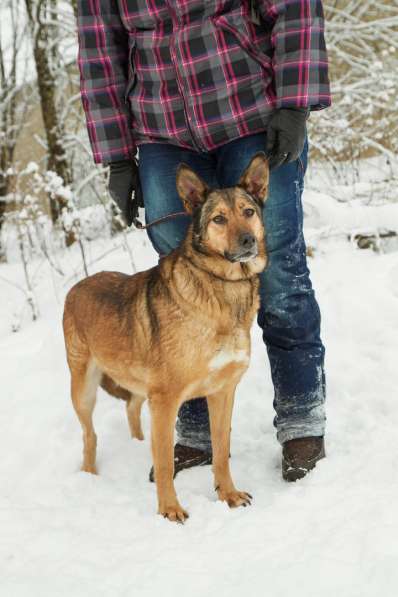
{"points": [[227, 356], [218, 361], [230, 350]]}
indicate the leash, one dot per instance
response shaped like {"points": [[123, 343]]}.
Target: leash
{"points": [[141, 226]]}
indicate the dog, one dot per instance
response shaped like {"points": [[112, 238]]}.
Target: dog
{"points": [[176, 331]]}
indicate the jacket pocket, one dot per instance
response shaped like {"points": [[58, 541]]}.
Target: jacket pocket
{"points": [[243, 39]]}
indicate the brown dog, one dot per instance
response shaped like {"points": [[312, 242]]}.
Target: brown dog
{"points": [[176, 331]]}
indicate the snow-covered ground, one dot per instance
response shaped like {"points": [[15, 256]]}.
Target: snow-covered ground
{"points": [[67, 533]]}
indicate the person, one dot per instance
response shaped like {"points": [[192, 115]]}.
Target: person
{"points": [[211, 84]]}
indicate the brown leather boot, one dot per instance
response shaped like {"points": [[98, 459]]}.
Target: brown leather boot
{"points": [[185, 457], [299, 456]]}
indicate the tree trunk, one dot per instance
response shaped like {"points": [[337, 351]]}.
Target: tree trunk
{"points": [[8, 129], [74, 6], [57, 159]]}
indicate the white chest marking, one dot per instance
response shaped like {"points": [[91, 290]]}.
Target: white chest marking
{"points": [[225, 357]]}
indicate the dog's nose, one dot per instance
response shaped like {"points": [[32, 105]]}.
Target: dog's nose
{"points": [[247, 240]]}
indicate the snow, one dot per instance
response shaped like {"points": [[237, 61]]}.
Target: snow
{"points": [[64, 532], [14, 21]]}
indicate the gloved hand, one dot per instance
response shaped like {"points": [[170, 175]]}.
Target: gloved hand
{"points": [[123, 180], [286, 135]]}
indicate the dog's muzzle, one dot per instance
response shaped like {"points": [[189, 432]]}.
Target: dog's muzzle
{"points": [[247, 249]]}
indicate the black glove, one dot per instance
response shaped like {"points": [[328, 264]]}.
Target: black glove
{"points": [[286, 135], [123, 180]]}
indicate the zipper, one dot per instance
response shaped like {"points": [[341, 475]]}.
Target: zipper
{"points": [[172, 45], [131, 75], [254, 12]]}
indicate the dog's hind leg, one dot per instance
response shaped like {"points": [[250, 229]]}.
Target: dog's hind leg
{"points": [[133, 404], [85, 380], [133, 409]]}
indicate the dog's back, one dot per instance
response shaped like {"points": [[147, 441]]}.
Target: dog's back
{"points": [[98, 297]]}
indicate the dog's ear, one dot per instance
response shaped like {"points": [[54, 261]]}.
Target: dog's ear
{"points": [[191, 188], [255, 179]]}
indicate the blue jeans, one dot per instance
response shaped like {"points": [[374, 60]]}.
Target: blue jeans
{"points": [[289, 314]]}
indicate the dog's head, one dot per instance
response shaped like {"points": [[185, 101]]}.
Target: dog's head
{"points": [[228, 222]]}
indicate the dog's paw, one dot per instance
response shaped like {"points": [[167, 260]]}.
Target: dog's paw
{"points": [[89, 468], [174, 513], [235, 499], [137, 435]]}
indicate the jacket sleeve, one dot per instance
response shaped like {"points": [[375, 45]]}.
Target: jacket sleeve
{"points": [[300, 59], [103, 61]]}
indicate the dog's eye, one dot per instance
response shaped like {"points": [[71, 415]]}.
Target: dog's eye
{"points": [[220, 219], [249, 212]]}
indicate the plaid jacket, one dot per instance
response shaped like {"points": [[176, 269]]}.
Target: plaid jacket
{"points": [[195, 73]]}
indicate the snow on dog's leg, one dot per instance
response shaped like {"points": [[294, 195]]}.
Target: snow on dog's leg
{"points": [[85, 380]]}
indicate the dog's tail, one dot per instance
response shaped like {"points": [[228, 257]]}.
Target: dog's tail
{"points": [[133, 404]]}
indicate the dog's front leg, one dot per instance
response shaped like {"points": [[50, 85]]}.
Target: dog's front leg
{"points": [[220, 411], [163, 417]]}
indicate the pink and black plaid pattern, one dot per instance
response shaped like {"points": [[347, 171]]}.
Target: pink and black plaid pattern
{"points": [[299, 53], [195, 73]]}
